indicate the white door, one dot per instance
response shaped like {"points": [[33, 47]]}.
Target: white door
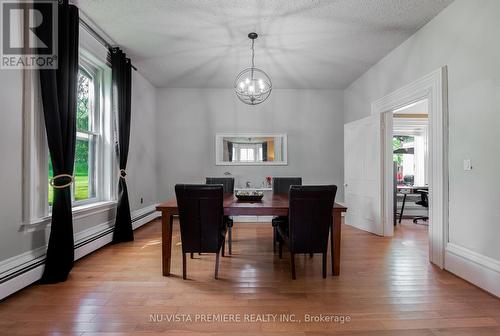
{"points": [[363, 174]]}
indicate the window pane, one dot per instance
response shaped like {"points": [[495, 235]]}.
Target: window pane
{"points": [[50, 197], [83, 102], [243, 154], [251, 154], [81, 189]]}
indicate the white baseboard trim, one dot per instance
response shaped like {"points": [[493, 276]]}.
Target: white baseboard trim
{"points": [[478, 269], [21, 281], [144, 215], [86, 242]]}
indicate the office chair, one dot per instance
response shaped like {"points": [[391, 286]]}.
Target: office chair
{"points": [[424, 201]]}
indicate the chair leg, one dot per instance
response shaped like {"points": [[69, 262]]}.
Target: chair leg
{"points": [[274, 240], [217, 266], [292, 259], [223, 247], [402, 209], [311, 255], [280, 248], [324, 265], [192, 255], [230, 239], [184, 265]]}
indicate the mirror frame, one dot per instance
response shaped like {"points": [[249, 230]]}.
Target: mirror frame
{"points": [[218, 146]]}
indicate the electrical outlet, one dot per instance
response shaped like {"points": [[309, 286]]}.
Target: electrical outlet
{"points": [[467, 165]]}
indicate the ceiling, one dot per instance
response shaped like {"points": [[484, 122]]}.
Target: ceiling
{"points": [[318, 44]]}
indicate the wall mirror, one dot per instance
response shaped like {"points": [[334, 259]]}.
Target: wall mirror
{"points": [[250, 149]]}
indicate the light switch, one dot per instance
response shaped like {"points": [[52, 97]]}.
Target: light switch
{"points": [[467, 165]]}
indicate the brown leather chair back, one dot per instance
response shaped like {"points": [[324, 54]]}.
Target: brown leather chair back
{"points": [[201, 214], [281, 185], [310, 217], [227, 182]]}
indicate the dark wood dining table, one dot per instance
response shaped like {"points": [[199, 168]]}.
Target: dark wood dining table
{"points": [[271, 205]]}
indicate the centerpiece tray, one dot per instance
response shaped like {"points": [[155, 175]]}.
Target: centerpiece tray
{"points": [[249, 196]]}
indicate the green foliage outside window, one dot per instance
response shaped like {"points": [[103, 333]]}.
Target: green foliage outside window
{"points": [[398, 142]]}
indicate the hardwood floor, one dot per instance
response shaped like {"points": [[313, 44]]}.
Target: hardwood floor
{"points": [[386, 287]]}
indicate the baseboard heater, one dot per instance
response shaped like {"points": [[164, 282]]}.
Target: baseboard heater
{"points": [[30, 265]]}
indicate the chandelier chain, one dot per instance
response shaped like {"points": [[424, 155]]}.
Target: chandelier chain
{"points": [[253, 54]]}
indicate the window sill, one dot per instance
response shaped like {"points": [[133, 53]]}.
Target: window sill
{"points": [[93, 208], [79, 212]]}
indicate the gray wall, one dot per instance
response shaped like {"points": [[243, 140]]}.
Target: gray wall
{"points": [[141, 169], [465, 38], [188, 120], [12, 242]]}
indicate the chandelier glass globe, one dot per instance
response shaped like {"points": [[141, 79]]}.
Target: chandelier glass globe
{"points": [[252, 85]]}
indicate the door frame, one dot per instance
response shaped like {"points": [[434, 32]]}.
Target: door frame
{"points": [[434, 88]]}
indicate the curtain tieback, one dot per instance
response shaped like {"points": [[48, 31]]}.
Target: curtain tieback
{"points": [[123, 173], [53, 180]]}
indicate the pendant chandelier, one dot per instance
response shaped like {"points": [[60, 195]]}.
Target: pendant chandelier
{"points": [[252, 85]]}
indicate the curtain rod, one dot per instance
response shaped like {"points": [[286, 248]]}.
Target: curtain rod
{"points": [[99, 38]]}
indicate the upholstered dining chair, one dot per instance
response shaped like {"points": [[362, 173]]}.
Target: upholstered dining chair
{"points": [[309, 221], [281, 185], [201, 218], [228, 184]]}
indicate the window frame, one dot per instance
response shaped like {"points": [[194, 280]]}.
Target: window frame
{"points": [[104, 119], [417, 128], [95, 130]]}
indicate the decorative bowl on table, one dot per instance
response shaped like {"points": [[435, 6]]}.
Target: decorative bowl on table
{"points": [[249, 196]]}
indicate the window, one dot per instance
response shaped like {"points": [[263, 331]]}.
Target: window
{"points": [[410, 159], [90, 145], [244, 152], [247, 154]]}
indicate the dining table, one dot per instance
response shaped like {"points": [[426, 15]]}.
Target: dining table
{"points": [[272, 204]]}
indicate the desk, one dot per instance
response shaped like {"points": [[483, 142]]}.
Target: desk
{"points": [[271, 205], [405, 190]]}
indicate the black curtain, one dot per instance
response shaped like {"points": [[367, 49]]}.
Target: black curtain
{"points": [[58, 89], [230, 150], [122, 86], [264, 151]]}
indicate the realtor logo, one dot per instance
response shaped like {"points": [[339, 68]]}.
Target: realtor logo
{"points": [[28, 34]]}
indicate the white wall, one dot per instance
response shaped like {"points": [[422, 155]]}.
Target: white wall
{"points": [[464, 37], [188, 120]]}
